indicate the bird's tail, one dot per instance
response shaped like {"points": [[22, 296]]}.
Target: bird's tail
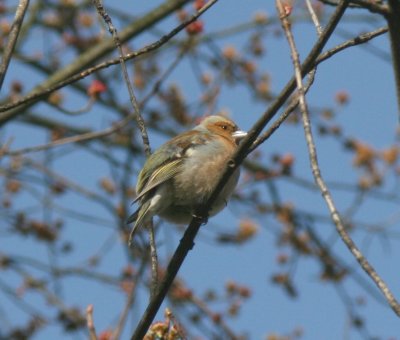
{"points": [[139, 217], [133, 217]]}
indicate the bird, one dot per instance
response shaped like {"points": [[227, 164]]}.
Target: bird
{"points": [[181, 174]]}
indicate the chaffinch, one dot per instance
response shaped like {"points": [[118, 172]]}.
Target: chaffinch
{"points": [[180, 175]]}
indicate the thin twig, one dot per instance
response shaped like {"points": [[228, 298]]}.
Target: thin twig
{"points": [[90, 323], [167, 72], [314, 17], [93, 196], [154, 259], [292, 106], [372, 6], [12, 38], [220, 322], [142, 127], [124, 315], [361, 39], [73, 139], [336, 218], [113, 31]]}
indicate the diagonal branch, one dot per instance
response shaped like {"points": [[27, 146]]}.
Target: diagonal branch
{"points": [[393, 19], [12, 38], [371, 5], [336, 218]]}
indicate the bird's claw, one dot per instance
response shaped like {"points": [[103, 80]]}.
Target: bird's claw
{"points": [[201, 219]]}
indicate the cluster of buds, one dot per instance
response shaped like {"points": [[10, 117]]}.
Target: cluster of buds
{"points": [[197, 26]]}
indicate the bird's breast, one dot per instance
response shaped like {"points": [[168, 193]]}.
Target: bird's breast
{"points": [[200, 174]]}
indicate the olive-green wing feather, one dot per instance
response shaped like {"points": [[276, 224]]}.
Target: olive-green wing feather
{"points": [[159, 175], [166, 161]]}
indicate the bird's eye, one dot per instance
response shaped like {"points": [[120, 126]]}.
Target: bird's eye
{"points": [[224, 127]]}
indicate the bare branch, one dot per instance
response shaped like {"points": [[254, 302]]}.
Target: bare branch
{"points": [[124, 315], [314, 17], [393, 19], [12, 38], [372, 6], [336, 218], [113, 31], [292, 106], [142, 128], [361, 39], [90, 323], [73, 139]]}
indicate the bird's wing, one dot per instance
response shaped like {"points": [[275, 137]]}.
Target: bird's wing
{"points": [[167, 161], [160, 175]]}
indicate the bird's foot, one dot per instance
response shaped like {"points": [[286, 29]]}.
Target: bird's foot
{"points": [[201, 219]]}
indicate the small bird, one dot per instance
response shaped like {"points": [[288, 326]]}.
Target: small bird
{"points": [[181, 175]]}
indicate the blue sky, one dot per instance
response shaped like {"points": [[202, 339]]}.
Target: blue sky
{"points": [[371, 116]]}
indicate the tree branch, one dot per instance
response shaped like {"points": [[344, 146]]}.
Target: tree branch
{"points": [[90, 323], [12, 38], [372, 6], [393, 19]]}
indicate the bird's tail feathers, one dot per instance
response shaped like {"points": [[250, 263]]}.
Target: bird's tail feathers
{"points": [[138, 217], [133, 217]]}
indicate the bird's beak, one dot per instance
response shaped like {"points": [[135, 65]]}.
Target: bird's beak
{"points": [[238, 135]]}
